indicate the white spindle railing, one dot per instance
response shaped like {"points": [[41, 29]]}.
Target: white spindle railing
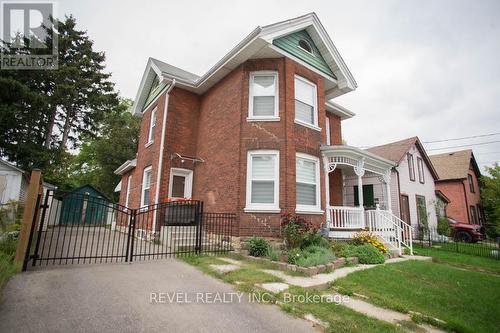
{"points": [[390, 228], [346, 217]]}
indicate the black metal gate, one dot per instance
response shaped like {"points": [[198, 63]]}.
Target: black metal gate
{"points": [[74, 228]]}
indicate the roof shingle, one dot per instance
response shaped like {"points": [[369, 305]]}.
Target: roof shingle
{"points": [[454, 165]]}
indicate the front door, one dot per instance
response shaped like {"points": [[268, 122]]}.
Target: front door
{"points": [[405, 209]]}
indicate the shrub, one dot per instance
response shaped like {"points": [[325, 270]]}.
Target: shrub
{"points": [[367, 254], [7, 265], [310, 256], [258, 247], [443, 226], [294, 228], [339, 248], [314, 238], [366, 237], [273, 254]]}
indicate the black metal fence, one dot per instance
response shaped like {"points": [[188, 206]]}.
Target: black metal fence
{"points": [[77, 228], [450, 241]]}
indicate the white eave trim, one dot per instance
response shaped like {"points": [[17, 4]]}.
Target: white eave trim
{"points": [[357, 153], [339, 110], [127, 166]]}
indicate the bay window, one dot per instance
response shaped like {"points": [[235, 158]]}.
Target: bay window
{"points": [[263, 96], [306, 110], [262, 181], [307, 183]]}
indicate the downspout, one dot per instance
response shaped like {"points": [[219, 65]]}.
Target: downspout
{"points": [[159, 173]]}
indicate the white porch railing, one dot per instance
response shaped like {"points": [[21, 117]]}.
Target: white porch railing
{"points": [[346, 217], [394, 231]]}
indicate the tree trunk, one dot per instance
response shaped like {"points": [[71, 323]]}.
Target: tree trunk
{"points": [[50, 126], [67, 127]]}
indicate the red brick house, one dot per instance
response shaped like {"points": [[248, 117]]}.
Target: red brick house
{"points": [[256, 135], [459, 181]]}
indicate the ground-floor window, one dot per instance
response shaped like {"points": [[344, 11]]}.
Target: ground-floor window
{"points": [[421, 210], [473, 215], [146, 186], [307, 183], [262, 181]]}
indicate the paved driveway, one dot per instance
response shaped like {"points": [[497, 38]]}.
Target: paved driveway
{"points": [[117, 298]]}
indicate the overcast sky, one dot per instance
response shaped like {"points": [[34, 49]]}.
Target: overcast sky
{"points": [[426, 68]]}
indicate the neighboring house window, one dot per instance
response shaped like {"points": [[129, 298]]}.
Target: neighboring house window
{"points": [[471, 184], [328, 135], [146, 186], [152, 125], [306, 112], [479, 214], [127, 197], [473, 216], [411, 167], [263, 98], [262, 181], [421, 210], [181, 183], [420, 165], [307, 183]]}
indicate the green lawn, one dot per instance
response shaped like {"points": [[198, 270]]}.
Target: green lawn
{"points": [[466, 261], [7, 265], [340, 318], [467, 300]]}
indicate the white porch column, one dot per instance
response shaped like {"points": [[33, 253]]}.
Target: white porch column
{"points": [[328, 167], [360, 172], [387, 181]]}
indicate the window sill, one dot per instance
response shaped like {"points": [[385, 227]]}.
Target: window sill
{"points": [[311, 211], [314, 127], [261, 210], [148, 144], [250, 119]]}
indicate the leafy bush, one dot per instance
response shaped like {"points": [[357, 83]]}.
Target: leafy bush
{"points": [[273, 254], [314, 238], [294, 228], [367, 254], [258, 247], [365, 237], [443, 226], [339, 248], [7, 265], [310, 256]]}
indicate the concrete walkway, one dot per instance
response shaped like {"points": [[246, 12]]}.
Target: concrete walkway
{"points": [[117, 298], [321, 280]]}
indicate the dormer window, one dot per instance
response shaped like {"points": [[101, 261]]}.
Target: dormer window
{"points": [[304, 44]]}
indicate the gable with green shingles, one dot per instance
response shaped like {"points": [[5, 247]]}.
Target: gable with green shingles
{"points": [[290, 44], [156, 88]]}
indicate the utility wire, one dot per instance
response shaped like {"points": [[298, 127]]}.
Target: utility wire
{"points": [[462, 146], [463, 138]]}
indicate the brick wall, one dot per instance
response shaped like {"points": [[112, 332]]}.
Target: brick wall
{"points": [[214, 127], [457, 208]]}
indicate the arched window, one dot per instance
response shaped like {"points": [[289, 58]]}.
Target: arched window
{"points": [[305, 45]]}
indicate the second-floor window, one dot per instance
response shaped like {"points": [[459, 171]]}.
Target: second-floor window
{"points": [[129, 184], [328, 135], [306, 110], [152, 125], [471, 184], [420, 166], [411, 167], [263, 97]]}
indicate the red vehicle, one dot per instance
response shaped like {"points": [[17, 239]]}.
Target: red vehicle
{"points": [[468, 233]]}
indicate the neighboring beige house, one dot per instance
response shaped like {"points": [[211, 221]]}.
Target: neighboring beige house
{"points": [[413, 196]]}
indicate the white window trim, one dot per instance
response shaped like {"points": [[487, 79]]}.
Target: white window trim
{"points": [[149, 168], [152, 127], [313, 126], [328, 134], [274, 117], [310, 209], [264, 208], [127, 198], [188, 184]]}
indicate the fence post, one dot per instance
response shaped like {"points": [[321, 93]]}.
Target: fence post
{"points": [[40, 227], [130, 236], [199, 233], [29, 217]]}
